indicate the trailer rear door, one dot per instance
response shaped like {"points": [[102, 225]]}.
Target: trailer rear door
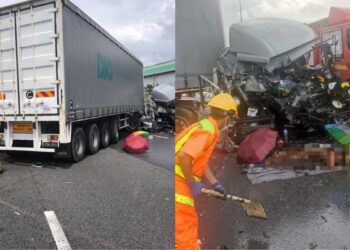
{"points": [[8, 66], [37, 60]]}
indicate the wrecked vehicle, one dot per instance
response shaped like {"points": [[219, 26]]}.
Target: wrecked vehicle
{"points": [[160, 110], [268, 69]]}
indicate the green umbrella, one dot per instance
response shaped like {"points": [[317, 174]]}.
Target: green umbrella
{"points": [[340, 133], [142, 133]]}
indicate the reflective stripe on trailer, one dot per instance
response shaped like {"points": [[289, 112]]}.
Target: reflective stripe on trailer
{"points": [[184, 200], [45, 93]]}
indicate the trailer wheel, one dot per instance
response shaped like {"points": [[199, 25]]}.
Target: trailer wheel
{"points": [[113, 124], [105, 135], [183, 119], [134, 123], [93, 138], [78, 145]]}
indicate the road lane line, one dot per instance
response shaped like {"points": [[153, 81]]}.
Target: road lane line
{"points": [[56, 231]]}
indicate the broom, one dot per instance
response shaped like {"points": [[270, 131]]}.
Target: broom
{"points": [[252, 209]]}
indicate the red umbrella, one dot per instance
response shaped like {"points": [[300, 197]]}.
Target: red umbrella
{"points": [[256, 146], [136, 144]]}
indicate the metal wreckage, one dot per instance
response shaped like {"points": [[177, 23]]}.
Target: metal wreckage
{"points": [[160, 110], [267, 70]]}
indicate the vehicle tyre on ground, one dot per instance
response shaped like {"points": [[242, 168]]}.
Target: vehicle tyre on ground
{"points": [[105, 134], [78, 145], [183, 119], [134, 123], [113, 124], [93, 138]]}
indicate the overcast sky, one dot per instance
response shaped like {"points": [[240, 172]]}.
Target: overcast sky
{"points": [[145, 27], [305, 11]]}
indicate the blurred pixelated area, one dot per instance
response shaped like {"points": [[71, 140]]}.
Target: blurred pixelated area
{"points": [[313, 156]]}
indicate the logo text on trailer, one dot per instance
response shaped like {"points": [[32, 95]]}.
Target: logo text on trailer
{"points": [[107, 71]]}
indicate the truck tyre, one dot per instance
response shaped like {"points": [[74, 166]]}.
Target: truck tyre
{"points": [[183, 119], [105, 135], [134, 123], [113, 124], [93, 138], [78, 145]]}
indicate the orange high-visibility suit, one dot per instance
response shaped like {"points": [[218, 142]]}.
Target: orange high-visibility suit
{"points": [[198, 142]]}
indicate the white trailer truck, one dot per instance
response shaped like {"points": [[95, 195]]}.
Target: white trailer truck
{"points": [[66, 85]]}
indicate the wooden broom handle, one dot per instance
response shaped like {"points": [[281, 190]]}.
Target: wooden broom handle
{"points": [[214, 193]]}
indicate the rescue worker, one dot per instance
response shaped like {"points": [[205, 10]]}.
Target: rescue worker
{"points": [[193, 149]]}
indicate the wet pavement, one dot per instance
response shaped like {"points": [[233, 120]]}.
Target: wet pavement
{"points": [[306, 212], [109, 200], [161, 150]]}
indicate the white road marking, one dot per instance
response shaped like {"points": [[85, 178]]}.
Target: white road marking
{"points": [[56, 231], [158, 136]]}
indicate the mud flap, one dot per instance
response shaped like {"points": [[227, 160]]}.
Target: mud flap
{"points": [[64, 151]]}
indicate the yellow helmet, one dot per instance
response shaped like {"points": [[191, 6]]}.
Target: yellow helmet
{"points": [[224, 102], [345, 85]]}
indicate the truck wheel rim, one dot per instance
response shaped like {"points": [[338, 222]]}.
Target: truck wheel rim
{"points": [[133, 123], [78, 146], [94, 139], [181, 124], [106, 137], [116, 136]]}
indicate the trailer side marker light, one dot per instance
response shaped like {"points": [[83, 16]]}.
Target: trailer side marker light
{"points": [[45, 93], [2, 96]]}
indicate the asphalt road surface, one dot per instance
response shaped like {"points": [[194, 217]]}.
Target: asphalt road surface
{"points": [[108, 200], [161, 151], [303, 213]]}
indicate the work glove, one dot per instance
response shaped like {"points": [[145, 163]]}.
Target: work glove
{"points": [[217, 186], [196, 187]]}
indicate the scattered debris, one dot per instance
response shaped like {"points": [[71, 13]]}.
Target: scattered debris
{"points": [[312, 245], [162, 137], [167, 199], [241, 231], [17, 213], [266, 235], [202, 214], [259, 175], [324, 218], [37, 166]]}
